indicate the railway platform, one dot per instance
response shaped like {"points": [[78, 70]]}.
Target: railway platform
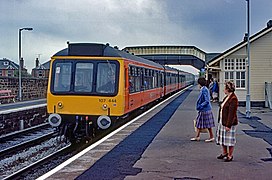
{"points": [[158, 146]]}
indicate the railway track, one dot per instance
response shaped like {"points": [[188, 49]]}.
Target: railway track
{"points": [[19, 150], [22, 139], [23, 173], [39, 166]]}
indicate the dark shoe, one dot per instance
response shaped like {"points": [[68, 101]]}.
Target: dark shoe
{"points": [[229, 159], [222, 156]]}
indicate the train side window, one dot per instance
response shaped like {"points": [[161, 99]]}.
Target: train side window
{"points": [[155, 79], [148, 79], [168, 78], [145, 79], [135, 80], [158, 79]]}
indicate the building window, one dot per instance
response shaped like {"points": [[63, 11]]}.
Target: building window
{"points": [[229, 76], [40, 73], [240, 64], [9, 73], [229, 64], [240, 79], [235, 71]]}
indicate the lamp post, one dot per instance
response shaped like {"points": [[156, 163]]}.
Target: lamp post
{"points": [[20, 68], [248, 64]]}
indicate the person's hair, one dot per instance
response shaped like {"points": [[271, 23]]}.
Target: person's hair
{"points": [[229, 86], [202, 81]]}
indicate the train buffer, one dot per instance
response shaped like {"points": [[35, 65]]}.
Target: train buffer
{"points": [[159, 147]]}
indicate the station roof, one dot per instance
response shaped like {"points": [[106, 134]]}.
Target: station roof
{"points": [[241, 44]]}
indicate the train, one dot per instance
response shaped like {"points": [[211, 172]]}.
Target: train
{"points": [[92, 85]]}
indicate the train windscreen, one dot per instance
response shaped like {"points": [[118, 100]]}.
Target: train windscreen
{"points": [[106, 78], [62, 77], [85, 77]]}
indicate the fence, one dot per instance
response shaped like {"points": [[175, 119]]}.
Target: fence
{"points": [[268, 94]]}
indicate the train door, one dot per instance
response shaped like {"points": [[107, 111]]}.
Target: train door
{"points": [[179, 81], [161, 83], [127, 88], [135, 91], [143, 86]]}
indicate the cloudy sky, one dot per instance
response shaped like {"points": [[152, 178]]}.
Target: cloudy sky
{"points": [[210, 25]]}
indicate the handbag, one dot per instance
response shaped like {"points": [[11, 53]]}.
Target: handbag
{"points": [[214, 95], [201, 130]]}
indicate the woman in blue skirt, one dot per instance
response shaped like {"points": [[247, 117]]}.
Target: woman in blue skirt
{"points": [[205, 117]]}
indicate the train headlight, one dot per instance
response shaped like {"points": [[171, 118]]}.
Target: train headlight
{"points": [[60, 105], [104, 107], [104, 122], [54, 120]]}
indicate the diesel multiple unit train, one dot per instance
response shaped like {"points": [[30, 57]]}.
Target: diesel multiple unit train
{"points": [[93, 85]]}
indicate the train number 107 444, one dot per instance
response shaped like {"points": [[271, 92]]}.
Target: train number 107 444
{"points": [[107, 100]]}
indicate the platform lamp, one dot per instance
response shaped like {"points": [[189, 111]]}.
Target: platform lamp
{"points": [[248, 63], [20, 68]]}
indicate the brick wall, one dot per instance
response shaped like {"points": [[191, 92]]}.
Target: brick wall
{"points": [[32, 88]]}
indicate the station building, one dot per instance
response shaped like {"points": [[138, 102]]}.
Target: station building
{"points": [[232, 65]]}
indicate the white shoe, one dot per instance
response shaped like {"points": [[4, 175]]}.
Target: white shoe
{"points": [[195, 139], [209, 140]]}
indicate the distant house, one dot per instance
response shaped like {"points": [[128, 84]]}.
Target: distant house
{"points": [[231, 65], [8, 68], [41, 70]]}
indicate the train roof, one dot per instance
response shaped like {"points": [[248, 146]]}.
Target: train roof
{"points": [[101, 50], [175, 69]]}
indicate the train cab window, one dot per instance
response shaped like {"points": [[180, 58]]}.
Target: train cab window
{"points": [[62, 77], [106, 78], [83, 77]]}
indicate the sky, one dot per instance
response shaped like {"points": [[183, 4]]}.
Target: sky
{"points": [[210, 25]]}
